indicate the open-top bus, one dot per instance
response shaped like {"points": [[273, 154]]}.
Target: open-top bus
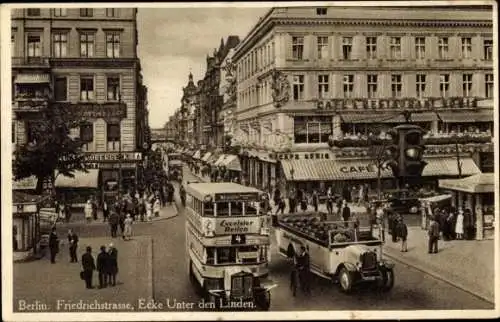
{"points": [[227, 241]]}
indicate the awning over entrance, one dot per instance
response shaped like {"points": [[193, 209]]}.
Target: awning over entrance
{"points": [[197, 154], [28, 183], [449, 167], [478, 183], [332, 170], [220, 159], [206, 156], [80, 180], [231, 162], [32, 78], [482, 116]]}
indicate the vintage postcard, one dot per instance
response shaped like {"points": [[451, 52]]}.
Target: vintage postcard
{"points": [[249, 160]]}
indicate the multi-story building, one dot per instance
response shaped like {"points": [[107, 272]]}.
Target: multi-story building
{"points": [[83, 60], [188, 102], [313, 83], [227, 89]]}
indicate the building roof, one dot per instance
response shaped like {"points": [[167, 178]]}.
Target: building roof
{"points": [[207, 188]]}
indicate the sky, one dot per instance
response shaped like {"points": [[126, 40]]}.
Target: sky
{"points": [[176, 41]]}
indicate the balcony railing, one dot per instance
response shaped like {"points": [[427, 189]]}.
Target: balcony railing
{"points": [[30, 62], [30, 103]]}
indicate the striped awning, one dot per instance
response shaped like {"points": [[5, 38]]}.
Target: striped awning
{"points": [[197, 154], [333, 170], [459, 117], [220, 159], [388, 118], [32, 78], [231, 162], [80, 180], [479, 183], [206, 156]]}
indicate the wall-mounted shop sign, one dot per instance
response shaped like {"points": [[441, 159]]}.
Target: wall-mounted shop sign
{"points": [[95, 110], [361, 168], [96, 165], [401, 103], [112, 156], [301, 156]]}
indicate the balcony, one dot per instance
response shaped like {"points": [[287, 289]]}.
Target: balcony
{"points": [[30, 62], [27, 103]]}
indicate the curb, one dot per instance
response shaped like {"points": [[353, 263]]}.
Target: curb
{"points": [[439, 277]]}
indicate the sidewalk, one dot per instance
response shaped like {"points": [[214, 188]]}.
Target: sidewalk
{"points": [[466, 264], [49, 283], [78, 218]]}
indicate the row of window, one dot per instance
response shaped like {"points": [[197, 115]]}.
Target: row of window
{"points": [[396, 85], [60, 40], [395, 48], [63, 12], [87, 88], [256, 60]]}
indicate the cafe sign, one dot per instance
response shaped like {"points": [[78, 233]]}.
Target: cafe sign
{"points": [[397, 103], [299, 156], [363, 168]]}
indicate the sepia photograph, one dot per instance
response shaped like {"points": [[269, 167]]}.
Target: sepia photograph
{"points": [[249, 160]]}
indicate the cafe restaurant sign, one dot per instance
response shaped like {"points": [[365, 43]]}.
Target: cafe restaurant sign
{"points": [[361, 168], [237, 226], [400, 103], [95, 110]]}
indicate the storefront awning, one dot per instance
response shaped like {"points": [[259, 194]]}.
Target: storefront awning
{"points": [[206, 156], [28, 183], [212, 159], [32, 78], [197, 154], [231, 162], [80, 180], [449, 167], [390, 118], [333, 170], [478, 183], [220, 159], [459, 117]]}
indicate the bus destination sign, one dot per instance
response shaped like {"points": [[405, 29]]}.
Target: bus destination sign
{"points": [[236, 197]]}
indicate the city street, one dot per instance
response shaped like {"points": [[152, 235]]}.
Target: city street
{"points": [[413, 289]]}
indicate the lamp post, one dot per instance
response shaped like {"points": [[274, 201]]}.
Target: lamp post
{"points": [[120, 186]]}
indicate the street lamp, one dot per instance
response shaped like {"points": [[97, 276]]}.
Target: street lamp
{"points": [[120, 186]]}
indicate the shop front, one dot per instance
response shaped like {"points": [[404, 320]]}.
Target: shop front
{"points": [[76, 190], [475, 193], [25, 225]]}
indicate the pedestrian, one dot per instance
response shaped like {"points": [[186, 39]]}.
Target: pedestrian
{"points": [[291, 202], [94, 208], [156, 208], [403, 234], [468, 224], [303, 267], [459, 226], [346, 214], [103, 267], [149, 210], [182, 193], [113, 264], [73, 246], [433, 233], [114, 220], [53, 245], [346, 193], [127, 233], [105, 210], [170, 193], [142, 209], [281, 205], [67, 212], [315, 200], [361, 194], [88, 265], [380, 218], [88, 211], [277, 197], [303, 202]]}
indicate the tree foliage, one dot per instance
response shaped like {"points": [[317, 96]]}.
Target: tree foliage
{"points": [[52, 148]]}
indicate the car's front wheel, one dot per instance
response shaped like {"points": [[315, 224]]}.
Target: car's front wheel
{"points": [[387, 279], [345, 280]]}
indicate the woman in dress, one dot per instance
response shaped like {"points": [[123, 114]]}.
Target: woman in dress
{"points": [[88, 210], [459, 226], [128, 228], [156, 207]]}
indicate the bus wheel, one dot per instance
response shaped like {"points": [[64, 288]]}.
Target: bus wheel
{"points": [[263, 300]]}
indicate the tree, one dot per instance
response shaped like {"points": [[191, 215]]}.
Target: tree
{"points": [[52, 148], [378, 154]]}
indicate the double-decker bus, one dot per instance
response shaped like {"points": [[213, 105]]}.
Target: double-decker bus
{"points": [[227, 241]]}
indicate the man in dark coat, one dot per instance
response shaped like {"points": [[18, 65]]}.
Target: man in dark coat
{"points": [[103, 267], [53, 245], [113, 264], [170, 193], [88, 265], [73, 246], [433, 233], [402, 230], [346, 213], [113, 222], [303, 267]]}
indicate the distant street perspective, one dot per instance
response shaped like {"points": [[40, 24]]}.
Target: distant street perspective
{"points": [[312, 159]]}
